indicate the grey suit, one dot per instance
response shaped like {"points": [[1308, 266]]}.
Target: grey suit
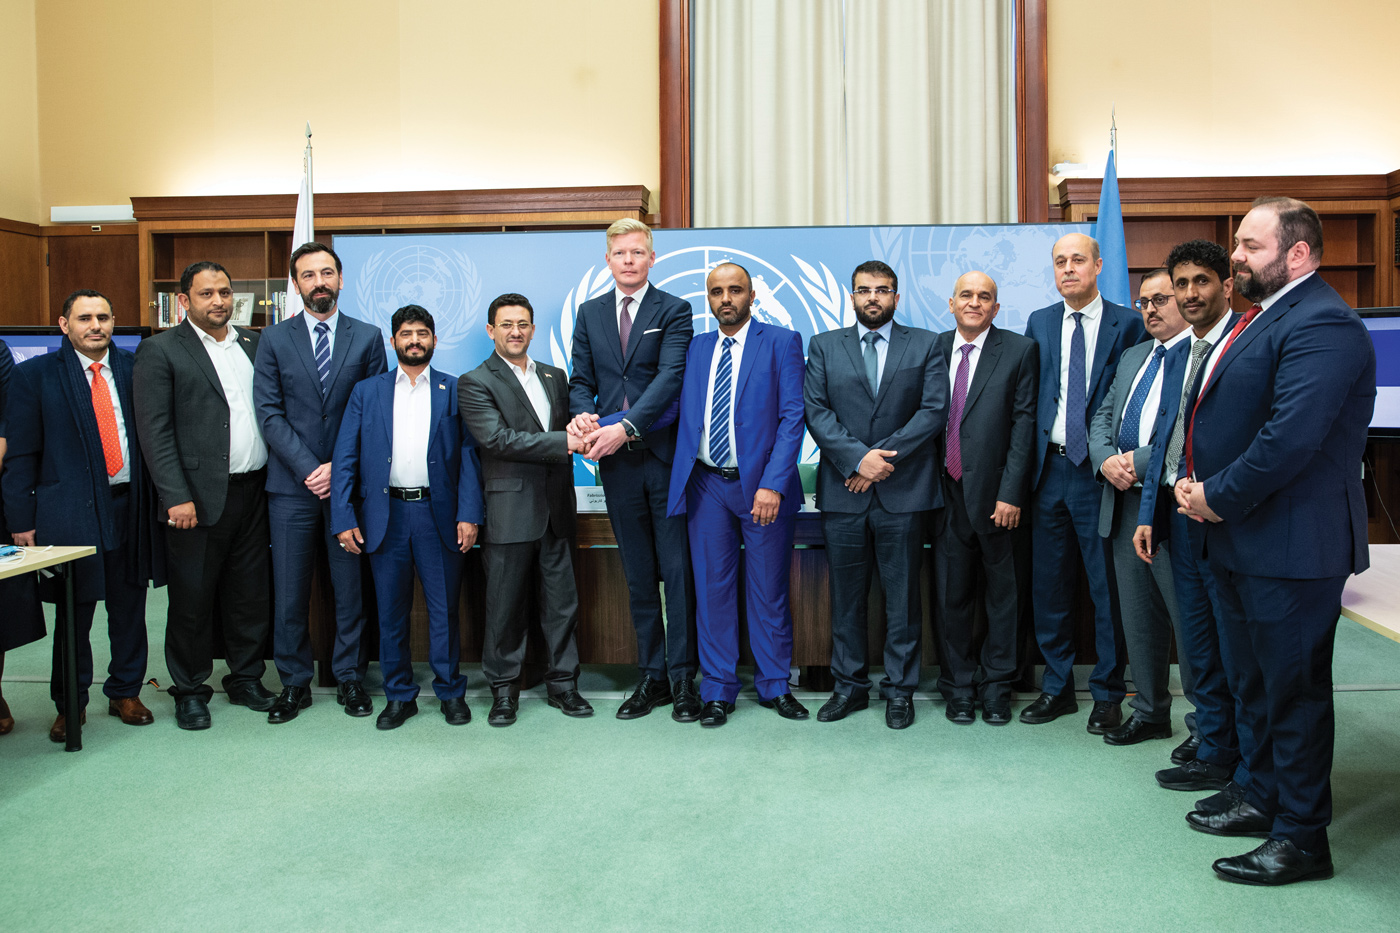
{"points": [[1146, 596], [531, 519]]}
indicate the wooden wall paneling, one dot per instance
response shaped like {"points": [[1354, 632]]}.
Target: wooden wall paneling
{"points": [[605, 633], [1032, 111], [675, 192], [101, 261], [22, 277], [244, 255]]}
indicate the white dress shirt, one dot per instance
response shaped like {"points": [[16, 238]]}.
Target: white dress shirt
{"points": [[109, 377], [1264, 305], [636, 297], [1153, 402], [246, 450], [736, 351], [312, 321], [413, 419], [533, 385], [1093, 314], [978, 343], [882, 346]]}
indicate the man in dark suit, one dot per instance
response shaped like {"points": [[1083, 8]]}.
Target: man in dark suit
{"points": [[417, 509], [517, 408], [1273, 455], [735, 480], [305, 369], [1120, 447], [876, 394], [199, 433], [986, 455], [1080, 339], [628, 357], [74, 475]]}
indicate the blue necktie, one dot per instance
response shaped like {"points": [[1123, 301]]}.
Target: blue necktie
{"points": [[323, 352], [719, 409], [872, 362], [1132, 415], [1076, 429]]}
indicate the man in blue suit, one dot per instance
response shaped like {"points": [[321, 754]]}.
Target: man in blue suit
{"points": [[416, 509], [1273, 456], [74, 475], [735, 479], [628, 358], [302, 377], [1080, 339]]}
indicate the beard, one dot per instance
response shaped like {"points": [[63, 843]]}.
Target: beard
{"points": [[1256, 286], [876, 317], [320, 300], [405, 359]]}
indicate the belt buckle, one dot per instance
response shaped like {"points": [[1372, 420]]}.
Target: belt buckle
{"points": [[414, 495]]}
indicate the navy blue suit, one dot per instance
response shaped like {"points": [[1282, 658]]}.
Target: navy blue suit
{"points": [[1065, 510], [1277, 437], [637, 478], [401, 536], [767, 415], [22, 621], [300, 420]]}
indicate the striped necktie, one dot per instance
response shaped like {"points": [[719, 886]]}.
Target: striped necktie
{"points": [[719, 408], [323, 353]]}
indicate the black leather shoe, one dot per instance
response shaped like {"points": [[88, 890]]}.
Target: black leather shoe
{"points": [[396, 712], [503, 711], [292, 701], [1107, 716], [899, 712], [570, 703], [1277, 861], [786, 705], [254, 696], [842, 705], [191, 713], [456, 711], [715, 713], [1195, 775], [1240, 820], [1186, 751], [996, 712], [351, 694], [1046, 708], [1137, 730], [1222, 801], [961, 710], [686, 705], [650, 693]]}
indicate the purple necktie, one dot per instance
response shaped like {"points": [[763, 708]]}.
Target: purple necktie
{"points": [[624, 330], [955, 413]]}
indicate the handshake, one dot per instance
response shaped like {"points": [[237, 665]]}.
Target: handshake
{"points": [[594, 442]]}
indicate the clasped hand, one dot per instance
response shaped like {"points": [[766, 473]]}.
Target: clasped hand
{"points": [[595, 443], [874, 467]]}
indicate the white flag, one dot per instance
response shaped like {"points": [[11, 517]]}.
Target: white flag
{"points": [[303, 231]]}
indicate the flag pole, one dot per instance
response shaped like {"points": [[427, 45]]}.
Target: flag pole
{"points": [[310, 189]]}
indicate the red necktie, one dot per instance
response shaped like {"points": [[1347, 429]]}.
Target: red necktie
{"points": [[106, 421], [1238, 329]]}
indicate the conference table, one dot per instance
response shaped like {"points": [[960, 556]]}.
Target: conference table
{"points": [[1373, 598]]}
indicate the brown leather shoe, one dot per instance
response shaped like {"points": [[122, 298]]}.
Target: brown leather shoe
{"points": [[7, 722], [132, 711], [59, 732]]}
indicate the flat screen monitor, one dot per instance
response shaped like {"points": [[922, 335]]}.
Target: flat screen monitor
{"points": [[27, 342], [1384, 325]]}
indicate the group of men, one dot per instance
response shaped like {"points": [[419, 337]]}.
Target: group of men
{"points": [[1203, 465]]}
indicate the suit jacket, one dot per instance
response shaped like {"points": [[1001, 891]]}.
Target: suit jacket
{"points": [[997, 433], [299, 421], [55, 479], [183, 418], [767, 411], [363, 456], [528, 469], [1119, 328], [847, 420], [650, 375], [1279, 435]]}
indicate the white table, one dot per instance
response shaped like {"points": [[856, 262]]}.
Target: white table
{"points": [[1373, 598]]}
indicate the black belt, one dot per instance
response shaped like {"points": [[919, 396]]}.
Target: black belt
{"points": [[409, 493], [119, 489], [1058, 449], [249, 477], [729, 473], [635, 443]]}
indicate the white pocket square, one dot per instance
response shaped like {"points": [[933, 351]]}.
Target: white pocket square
{"points": [[654, 330]]}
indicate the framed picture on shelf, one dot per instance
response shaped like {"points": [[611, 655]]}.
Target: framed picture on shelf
{"points": [[243, 303]]}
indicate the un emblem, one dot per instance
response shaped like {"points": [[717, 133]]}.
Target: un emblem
{"points": [[446, 282]]}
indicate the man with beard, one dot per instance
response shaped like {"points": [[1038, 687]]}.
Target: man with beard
{"points": [[1273, 466], [876, 396], [305, 369], [416, 510], [735, 480]]}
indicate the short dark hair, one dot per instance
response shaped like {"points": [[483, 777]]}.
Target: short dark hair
{"points": [[307, 249], [509, 300], [875, 267], [411, 314], [1201, 253], [1153, 273], [82, 293], [195, 268], [1297, 223]]}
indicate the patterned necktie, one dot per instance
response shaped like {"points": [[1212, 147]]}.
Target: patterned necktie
{"points": [[106, 421], [323, 352], [1076, 401], [719, 409], [1239, 327], [624, 331], [955, 413], [1199, 351], [872, 362], [1131, 427]]}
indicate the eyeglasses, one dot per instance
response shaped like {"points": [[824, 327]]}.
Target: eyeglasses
{"points": [[865, 292], [1157, 301]]}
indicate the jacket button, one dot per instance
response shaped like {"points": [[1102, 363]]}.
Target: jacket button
{"points": [[225, 457]]}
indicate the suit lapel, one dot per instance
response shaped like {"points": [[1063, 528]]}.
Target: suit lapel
{"points": [[301, 339], [1107, 337], [991, 352], [386, 405], [193, 344], [643, 319], [609, 329], [1255, 328], [1053, 338], [899, 342], [1130, 361], [437, 388], [79, 397], [345, 336], [758, 343], [502, 369], [851, 341]]}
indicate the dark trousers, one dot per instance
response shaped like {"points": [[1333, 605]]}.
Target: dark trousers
{"points": [[227, 561], [654, 551], [962, 558], [411, 542], [301, 525], [1065, 518], [857, 545], [509, 577]]}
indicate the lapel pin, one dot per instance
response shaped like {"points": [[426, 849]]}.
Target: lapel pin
{"points": [[442, 385]]}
